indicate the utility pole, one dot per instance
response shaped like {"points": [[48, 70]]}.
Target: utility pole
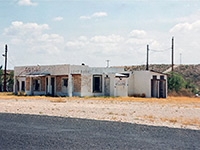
{"points": [[107, 63], [5, 55], [147, 66], [172, 54]]}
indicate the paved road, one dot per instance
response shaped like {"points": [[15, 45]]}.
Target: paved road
{"points": [[29, 132]]}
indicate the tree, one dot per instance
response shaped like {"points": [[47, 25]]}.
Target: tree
{"points": [[10, 81], [175, 82]]}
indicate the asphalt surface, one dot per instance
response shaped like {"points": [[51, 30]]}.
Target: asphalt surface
{"points": [[29, 132]]}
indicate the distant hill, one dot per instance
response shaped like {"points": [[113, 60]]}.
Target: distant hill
{"points": [[188, 72]]}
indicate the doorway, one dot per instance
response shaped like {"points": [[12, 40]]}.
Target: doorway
{"points": [[52, 86], [154, 87], [47, 85]]}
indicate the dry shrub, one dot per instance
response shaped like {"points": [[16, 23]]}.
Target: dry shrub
{"points": [[60, 100], [181, 92], [184, 121], [114, 118], [148, 117], [111, 113], [139, 95]]}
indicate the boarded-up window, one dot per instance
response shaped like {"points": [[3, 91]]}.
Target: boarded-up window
{"points": [[42, 83], [58, 84], [76, 83], [27, 84]]}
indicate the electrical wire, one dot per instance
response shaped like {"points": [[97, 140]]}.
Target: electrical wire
{"points": [[153, 50]]}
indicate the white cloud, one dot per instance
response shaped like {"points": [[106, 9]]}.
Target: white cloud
{"points": [[85, 17], [137, 33], [107, 39], [23, 29], [100, 14], [191, 18], [94, 15], [58, 19], [186, 27], [187, 40], [33, 37], [121, 50], [26, 3]]}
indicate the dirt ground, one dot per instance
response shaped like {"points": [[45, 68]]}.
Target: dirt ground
{"points": [[176, 112]]}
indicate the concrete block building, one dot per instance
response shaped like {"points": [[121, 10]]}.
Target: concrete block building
{"points": [[82, 80]]}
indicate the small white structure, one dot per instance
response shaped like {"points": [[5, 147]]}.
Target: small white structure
{"points": [[82, 80]]}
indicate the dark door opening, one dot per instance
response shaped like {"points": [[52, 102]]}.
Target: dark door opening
{"points": [[46, 85], [162, 89], [18, 86], [52, 86], [23, 86], [154, 88], [97, 85]]}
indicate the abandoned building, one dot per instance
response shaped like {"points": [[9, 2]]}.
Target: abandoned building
{"points": [[82, 80]]}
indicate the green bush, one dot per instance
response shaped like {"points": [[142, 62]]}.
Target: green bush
{"points": [[175, 82]]}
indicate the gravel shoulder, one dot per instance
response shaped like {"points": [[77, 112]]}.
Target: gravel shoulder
{"points": [[183, 114]]}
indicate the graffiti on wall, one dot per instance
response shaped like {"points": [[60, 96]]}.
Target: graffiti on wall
{"points": [[120, 82], [32, 69]]}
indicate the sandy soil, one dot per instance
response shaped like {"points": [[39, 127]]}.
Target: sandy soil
{"points": [[171, 112]]}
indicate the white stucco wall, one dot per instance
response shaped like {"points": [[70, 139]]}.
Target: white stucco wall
{"points": [[121, 87], [112, 84], [131, 85], [142, 82]]}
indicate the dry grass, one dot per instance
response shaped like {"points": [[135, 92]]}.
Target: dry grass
{"points": [[173, 100], [182, 120], [148, 117], [174, 120], [58, 100]]}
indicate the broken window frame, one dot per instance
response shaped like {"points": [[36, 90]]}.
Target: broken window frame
{"points": [[99, 89], [65, 82], [37, 84]]}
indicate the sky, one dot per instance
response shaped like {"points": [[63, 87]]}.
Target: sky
{"points": [[50, 32]]}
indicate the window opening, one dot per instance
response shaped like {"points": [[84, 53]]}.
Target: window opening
{"points": [[37, 85], [65, 82]]}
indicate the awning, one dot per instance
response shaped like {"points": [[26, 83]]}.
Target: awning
{"points": [[37, 74], [120, 75]]}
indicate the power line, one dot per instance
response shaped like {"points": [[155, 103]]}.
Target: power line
{"points": [[154, 50]]}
